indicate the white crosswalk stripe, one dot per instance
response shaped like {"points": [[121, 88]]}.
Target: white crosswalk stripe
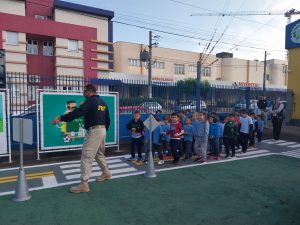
{"points": [[294, 153], [117, 166], [286, 143], [252, 153], [294, 146]]}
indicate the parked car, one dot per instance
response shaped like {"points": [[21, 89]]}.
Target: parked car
{"points": [[242, 105], [192, 106], [151, 107]]}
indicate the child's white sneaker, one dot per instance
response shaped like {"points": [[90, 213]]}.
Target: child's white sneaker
{"points": [[160, 162]]}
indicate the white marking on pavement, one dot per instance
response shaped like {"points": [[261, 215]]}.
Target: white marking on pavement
{"points": [[142, 172], [293, 151], [286, 143], [94, 174], [94, 164], [294, 146], [291, 155], [96, 168], [61, 163], [274, 142], [49, 181], [253, 153]]}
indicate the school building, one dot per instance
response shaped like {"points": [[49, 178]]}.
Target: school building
{"points": [[173, 65]]}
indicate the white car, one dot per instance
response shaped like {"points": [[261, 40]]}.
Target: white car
{"points": [[151, 107], [192, 106]]}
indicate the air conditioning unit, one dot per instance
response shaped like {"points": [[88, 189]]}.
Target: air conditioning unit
{"points": [[40, 17]]}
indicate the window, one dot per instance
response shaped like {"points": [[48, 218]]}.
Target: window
{"points": [[267, 77], [48, 48], [16, 90], [159, 65], [206, 72], [134, 62], [193, 68], [32, 92], [12, 38], [32, 47], [179, 68], [34, 79], [72, 45]]}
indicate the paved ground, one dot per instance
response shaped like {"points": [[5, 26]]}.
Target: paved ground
{"points": [[65, 173], [262, 190]]}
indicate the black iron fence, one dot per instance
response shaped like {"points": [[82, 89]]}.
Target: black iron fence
{"points": [[166, 96]]}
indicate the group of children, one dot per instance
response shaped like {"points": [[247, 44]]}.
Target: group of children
{"points": [[184, 135]]}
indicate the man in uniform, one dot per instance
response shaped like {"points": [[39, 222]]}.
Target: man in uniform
{"points": [[96, 123]]}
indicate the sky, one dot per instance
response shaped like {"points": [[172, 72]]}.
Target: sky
{"points": [[247, 37]]}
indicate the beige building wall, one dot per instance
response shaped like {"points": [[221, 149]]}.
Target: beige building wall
{"points": [[101, 24], [15, 59], [68, 63], [15, 7], [226, 69]]}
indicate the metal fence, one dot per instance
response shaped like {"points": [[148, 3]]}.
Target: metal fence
{"points": [[166, 96]]}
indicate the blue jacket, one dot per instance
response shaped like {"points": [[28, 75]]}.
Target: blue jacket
{"points": [[157, 134], [165, 128], [214, 130], [201, 129], [188, 132]]}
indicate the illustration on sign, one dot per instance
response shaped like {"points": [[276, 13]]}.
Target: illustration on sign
{"points": [[70, 131], [3, 138], [70, 134]]}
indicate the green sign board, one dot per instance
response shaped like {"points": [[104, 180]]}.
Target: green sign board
{"points": [[70, 134], [3, 136]]}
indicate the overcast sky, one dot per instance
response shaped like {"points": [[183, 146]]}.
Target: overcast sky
{"points": [[252, 34]]}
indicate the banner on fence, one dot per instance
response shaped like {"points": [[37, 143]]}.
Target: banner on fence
{"points": [[70, 134], [3, 124]]}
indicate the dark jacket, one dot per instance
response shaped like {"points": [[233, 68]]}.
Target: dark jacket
{"points": [[230, 130], [138, 125], [94, 110]]}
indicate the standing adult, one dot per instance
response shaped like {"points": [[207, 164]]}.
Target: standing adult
{"points": [[262, 105], [96, 123], [277, 118]]}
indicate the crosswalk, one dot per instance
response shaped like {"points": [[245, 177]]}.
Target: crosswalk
{"points": [[293, 153], [283, 143], [117, 166]]}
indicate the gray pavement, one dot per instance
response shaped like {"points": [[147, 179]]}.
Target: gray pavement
{"points": [[66, 173]]}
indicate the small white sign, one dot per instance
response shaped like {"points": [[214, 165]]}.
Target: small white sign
{"points": [[27, 130], [151, 123]]}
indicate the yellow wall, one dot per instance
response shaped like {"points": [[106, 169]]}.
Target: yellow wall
{"points": [[294, 79]]}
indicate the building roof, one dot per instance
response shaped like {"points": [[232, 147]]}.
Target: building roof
{"points": [[83, 9]]}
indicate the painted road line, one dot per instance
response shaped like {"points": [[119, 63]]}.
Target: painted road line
{"points": [[286, 143], [274, 142], [32, 176], [94, 174], [49, 181], [94, 163], [77, 170], [142, 172], [291, 155], [253, 153], [263, 141], [294, 151], [60, 163], [294, 146]]}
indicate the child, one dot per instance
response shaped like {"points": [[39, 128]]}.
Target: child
{"points": [[214, 137], [260, 130], [238, 124], [253, 132], [230, 135], [166, 138], [201, 130], [157, 134], [246, 127], [221, 127], [175, 132], [136, 127], [188, 138]]}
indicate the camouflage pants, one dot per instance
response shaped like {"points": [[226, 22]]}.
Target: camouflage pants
{"points": [[93, 148]]}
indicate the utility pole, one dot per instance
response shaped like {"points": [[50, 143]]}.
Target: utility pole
{"points": [[265, 68], [198, 84], [150, 66]]}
